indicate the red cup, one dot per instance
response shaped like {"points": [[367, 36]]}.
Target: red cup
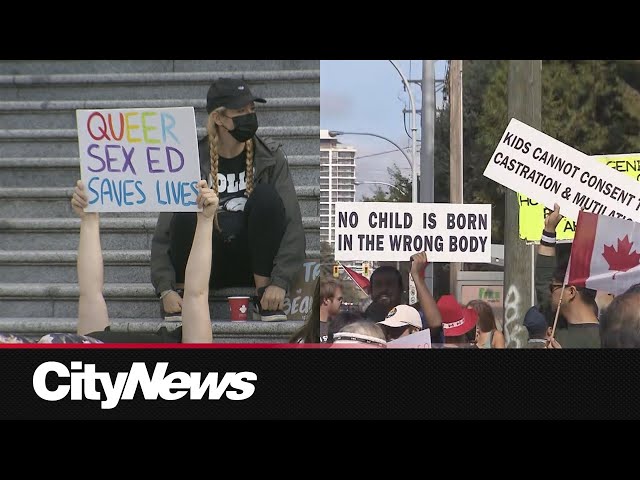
{"points": [[239, 308]]}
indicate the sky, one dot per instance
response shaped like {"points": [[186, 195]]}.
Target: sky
{"points": [[369, 96]]}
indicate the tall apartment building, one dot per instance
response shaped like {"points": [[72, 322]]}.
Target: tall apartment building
{"points": [[337, 181]]}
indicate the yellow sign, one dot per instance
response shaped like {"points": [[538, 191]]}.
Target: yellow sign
{"points": [[532, 214]]}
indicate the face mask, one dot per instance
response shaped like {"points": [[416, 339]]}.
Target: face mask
{"points": [[245, 127]]}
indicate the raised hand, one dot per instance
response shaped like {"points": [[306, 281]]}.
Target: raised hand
{"points": [[419, 262], [553, 219], [80, 201], [207, 200]]}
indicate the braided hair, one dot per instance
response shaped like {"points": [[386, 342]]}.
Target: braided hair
{"points": [[214, 156]]}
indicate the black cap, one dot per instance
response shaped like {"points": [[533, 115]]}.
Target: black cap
{"points": [[230, 93], [535, 321]]}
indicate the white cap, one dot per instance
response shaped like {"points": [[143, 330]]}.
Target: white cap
{"points": [[402, 315]]}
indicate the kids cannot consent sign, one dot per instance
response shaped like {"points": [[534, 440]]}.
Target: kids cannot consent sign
{"points": [[532, 213], [139, 160], [448, 232], [545, 169]]}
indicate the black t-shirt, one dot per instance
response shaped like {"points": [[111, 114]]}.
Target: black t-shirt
{"points": [[231, 193], [232, 182]]}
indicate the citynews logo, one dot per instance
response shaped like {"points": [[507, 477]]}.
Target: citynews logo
{"points": [[83, 380]]}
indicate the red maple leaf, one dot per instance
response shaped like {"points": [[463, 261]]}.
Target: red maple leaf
{"points": [[621, 260]]}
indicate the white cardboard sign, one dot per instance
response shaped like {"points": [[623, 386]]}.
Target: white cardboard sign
{"points": [[139, 160], [384, 231], [421, 339], [534, 164]]}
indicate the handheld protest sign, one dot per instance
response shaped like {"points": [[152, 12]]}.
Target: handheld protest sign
{"points": [[139, 160], [532, 213], [541, 167], [421, 339], [384, 231]]}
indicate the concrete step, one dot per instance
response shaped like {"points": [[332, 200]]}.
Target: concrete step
{"points": [[55, 202], [62, 114], [116, 233], [129, 86], [301, 140], [124, 300], [48, 67], [63, 172], [62, 233], [234, 66], [224, 331], [59, 266]]}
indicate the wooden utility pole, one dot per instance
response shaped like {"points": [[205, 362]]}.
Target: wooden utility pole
{"points": [[525, 104], [455, 151]]}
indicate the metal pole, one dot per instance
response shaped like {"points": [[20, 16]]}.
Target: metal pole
{"points": [[414, 180], [427, 146], [525, 98]]}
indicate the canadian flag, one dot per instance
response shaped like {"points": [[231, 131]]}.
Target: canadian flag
{"points": [[361, 280], [605, 254]]}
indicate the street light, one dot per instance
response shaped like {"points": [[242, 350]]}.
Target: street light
{"points": [[414, 187], [366, 182]]}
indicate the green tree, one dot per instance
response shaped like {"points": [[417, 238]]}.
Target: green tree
{"points": [[593, 106], [588, 105], [388, 194]]}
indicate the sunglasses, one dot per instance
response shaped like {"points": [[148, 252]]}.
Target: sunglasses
{"points": [[554, 286]]}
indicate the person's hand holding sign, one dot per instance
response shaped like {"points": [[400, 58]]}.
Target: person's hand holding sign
{"points": [[79, 201], [207, 200], [418, 263], [547, 245], [553, 219]]}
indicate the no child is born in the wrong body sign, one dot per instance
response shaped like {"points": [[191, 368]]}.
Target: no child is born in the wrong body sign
{"points": [[380, 231]]}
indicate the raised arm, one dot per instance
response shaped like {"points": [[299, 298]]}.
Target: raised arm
{"points": [[546, 258], [427, 303], [92, 309], [196, 322]]}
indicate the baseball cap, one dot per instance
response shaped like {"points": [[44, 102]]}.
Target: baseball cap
{"points": [[401, 316], [230, 93], [455, 319], [535, 321]]}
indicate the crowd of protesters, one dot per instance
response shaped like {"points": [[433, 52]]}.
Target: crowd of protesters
{"points": [[564, 316]]}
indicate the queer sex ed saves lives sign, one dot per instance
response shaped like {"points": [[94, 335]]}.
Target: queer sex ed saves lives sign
{"points": [[139, 160], [545, 169], [382, 231]]}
